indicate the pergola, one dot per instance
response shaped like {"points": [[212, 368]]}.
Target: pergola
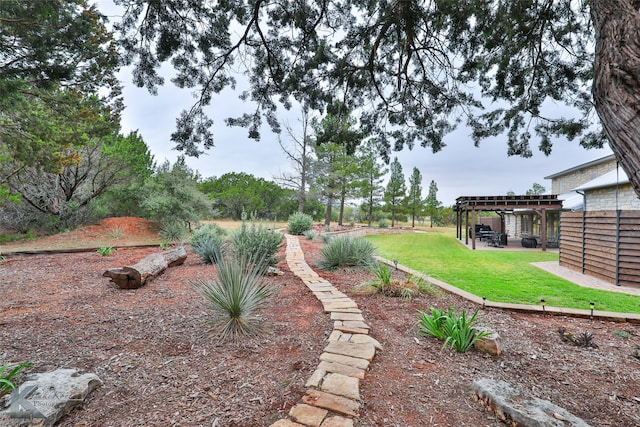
{"points": [[501, 204]]}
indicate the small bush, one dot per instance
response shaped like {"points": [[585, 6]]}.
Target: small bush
{"points": [[457, 331], [386, 285], [383, 223], [345, 251], [172, 232], [256, 242], [105, 250], [310, 234], [208, 243], [299, 223], [234, 295], [326, 238], [116, 232]]}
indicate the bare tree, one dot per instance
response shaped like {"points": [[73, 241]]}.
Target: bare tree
{"points": [[299, 156]]}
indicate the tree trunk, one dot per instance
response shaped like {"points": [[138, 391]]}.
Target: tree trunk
{"points": [[327, 217], [616, 84], [135, 276], [341, 216]]}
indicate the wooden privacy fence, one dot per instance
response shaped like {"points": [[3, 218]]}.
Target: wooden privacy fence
{"points": [[603, 244]]}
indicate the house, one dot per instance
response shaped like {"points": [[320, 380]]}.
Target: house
{"points": [[600, 222], [568, 184]]}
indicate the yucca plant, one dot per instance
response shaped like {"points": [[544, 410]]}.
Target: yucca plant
{"points": [[345, 251], [172, 232], [208, 242], [234, 295], [116, 232]]}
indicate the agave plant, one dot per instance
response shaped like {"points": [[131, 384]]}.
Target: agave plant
{"points": [[234, 295]]}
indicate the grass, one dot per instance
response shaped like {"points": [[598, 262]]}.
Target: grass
{"points": [[500, 276]]}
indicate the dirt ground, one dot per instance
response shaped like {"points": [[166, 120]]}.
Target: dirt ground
{"points": [[154, 352]]}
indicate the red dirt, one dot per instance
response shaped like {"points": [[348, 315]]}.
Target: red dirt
{"points": [[160, 366]]}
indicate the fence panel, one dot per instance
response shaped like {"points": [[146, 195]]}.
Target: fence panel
{"points": [[603, 244]]}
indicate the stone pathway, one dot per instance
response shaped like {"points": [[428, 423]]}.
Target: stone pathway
{"points": [[333, 390]]}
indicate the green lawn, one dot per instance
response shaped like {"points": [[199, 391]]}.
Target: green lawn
{"points": [[501, 275]]}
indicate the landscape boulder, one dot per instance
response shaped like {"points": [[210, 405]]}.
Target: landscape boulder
{"points": [[45, 398]]}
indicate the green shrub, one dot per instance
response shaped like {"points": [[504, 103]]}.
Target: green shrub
{"points": [[310, 234], [457, 331], [383, 223], [105, 250], [326, 238], [7, 373], [234, 295], [345, 251], [299, 223], [256, 242], [208, 243], [172, 232]]}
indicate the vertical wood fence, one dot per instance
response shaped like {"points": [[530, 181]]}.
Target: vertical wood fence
{"points": [[603, 244]]}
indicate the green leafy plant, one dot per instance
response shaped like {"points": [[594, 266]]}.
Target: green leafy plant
{"points": [[256, 242], [383, 223], [309, 234], [105, 250], [299, 223], [457, 331], [345, 251], [234, 295], [7, 373], [406, 288], [208, 243]]}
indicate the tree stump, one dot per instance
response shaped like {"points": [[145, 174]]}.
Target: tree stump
{"points": [[135, 276]]}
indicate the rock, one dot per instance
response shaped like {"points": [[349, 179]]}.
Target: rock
{"points": [[45, 398], [491, 344], [272, 271], [518, 409]]}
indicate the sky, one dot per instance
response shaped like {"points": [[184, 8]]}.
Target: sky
{"points": [[460, 169]]}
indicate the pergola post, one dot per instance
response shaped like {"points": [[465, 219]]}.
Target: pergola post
{"points": [[473, 229]]}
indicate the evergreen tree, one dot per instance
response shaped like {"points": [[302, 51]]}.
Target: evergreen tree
{"points": [[432, 203], [396, 190], [414, 199], [372, 172]]}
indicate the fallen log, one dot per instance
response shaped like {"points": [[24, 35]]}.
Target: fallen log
{"points": [[135, 276]]}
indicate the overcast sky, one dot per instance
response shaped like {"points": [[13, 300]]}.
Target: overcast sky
{"points": [[460, 169]]}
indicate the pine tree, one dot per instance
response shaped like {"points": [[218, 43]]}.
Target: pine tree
{"points": [[396, 190], [414, 199]]}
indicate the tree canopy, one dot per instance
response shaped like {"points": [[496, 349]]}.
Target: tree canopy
{"points": [[407, 65]]}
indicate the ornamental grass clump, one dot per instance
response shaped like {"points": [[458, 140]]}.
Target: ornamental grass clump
{"points": [[234, 295], [299, 223], [172, 232], [457, 331], [208, 242], [405, 288], [345, 251]]}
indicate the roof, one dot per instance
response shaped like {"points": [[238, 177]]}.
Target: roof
{"points": [[495, 203], [609, 179], [572, 201], [582, 166]]}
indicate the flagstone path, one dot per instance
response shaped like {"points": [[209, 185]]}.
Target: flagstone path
{"points": [[333, 390]]}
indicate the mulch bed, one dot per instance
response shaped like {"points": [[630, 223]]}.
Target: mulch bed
{"points": [[154, 350]]}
